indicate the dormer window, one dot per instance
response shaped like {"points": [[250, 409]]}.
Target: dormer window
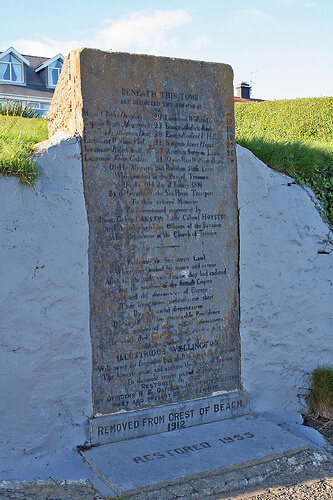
{"points": [[50, 71], [54, 72], [11, 69]]}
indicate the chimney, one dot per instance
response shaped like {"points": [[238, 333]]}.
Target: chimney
{"points": [[243, 90]]}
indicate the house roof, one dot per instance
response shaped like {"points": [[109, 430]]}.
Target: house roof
{"points": [[240, 99], [19, 56], [35, 86], [50, 61]]}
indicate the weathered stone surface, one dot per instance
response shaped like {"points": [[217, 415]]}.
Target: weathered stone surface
{"points": [[178, 416], [160, 186]]}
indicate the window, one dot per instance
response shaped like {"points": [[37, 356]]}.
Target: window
{"points": [[40, 107], [54, 72], [11, 69], [50, 71]]}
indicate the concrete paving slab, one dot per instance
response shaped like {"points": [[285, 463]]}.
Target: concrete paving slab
{"points": [[173, 457]]}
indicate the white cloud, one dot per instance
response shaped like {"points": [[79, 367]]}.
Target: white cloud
{"points": [[201, 41], [251, 14], [45, 47], [145, 30], [288, 2]]}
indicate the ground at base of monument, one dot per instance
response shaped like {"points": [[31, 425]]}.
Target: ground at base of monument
{"points": [[148, 463], [303, 476], [323, 425]]}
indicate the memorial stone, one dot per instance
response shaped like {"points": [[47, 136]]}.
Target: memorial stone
{"points": [[160, 182]]}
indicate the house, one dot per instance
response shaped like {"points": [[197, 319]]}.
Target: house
{"points": [[30, 80]]}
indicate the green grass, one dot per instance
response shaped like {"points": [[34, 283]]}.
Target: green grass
{"points": [[17, 139], [17, 109], [294, 137], [321, 393]]}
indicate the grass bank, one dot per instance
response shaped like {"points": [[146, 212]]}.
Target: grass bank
{"points": [[294, 137], [321, 393], [17, 138]]}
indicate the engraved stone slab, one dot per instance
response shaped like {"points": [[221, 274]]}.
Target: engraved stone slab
{"points": [[197, 451], [160, 185], [133, 424]]}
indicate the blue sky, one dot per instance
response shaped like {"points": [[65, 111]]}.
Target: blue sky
{"points": [[285, 46]]}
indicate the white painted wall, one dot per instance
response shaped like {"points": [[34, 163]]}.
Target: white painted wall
{"points": [[45, 354], [286, 286]]}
